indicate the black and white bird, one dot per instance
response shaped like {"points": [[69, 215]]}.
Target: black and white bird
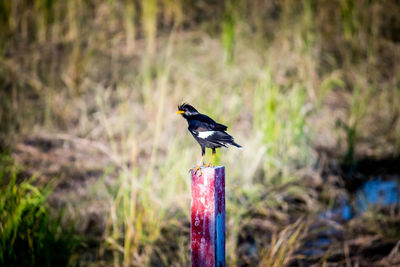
{"points": [[206, 131]]}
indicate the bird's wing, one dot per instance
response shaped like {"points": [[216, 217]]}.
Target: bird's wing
{"points": [[203, 132], [218, 138], [208, 124]]}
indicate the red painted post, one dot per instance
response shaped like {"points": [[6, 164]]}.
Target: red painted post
{"points": [[208, 218]]}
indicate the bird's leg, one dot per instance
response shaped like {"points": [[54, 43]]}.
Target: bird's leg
{"points": [[202, 160], [198, 168], [212, 158], [203, 153], [195, 169]]}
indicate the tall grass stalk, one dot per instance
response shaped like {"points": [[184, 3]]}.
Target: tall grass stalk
{"points": [[149, 22], [130, 27], [228, 30], [358, 109]]}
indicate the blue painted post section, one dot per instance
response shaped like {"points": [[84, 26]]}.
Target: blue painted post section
{"points": [[220, 216], [208, 218]]}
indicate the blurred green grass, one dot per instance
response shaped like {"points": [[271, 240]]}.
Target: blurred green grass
{"points": [[278, 73], [29, 236]]}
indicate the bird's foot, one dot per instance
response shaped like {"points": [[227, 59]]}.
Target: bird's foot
{"points": [[196, 169]]}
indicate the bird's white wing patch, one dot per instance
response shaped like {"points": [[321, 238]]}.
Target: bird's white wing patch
{"points": [[205, 134]]}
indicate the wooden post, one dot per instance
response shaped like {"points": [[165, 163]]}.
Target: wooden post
{"points": [[208, 218]]}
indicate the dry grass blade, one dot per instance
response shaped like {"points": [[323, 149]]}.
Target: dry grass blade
{"points": [[280, 250]]}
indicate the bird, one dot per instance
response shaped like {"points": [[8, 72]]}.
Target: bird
{"points": [[207, 132]]}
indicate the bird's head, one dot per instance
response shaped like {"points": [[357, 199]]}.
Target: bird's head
{"points": [[186, 110]]}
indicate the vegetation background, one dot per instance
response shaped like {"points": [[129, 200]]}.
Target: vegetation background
{"points": [[94, 165]]}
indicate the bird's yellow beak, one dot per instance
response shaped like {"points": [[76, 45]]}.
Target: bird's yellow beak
{"points": [[180, 112]]}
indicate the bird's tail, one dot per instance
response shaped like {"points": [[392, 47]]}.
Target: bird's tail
{"points": [[223, 139], [236, 145]]}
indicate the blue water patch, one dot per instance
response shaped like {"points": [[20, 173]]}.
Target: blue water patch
{"points": [[371, 193], [346, 212], [341, 212], [377, 192]]}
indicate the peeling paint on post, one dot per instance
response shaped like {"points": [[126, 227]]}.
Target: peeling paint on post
{"points": [[208, 218]]}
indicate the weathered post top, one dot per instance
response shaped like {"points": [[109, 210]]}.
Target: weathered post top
{"points": [[208, 217]]}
